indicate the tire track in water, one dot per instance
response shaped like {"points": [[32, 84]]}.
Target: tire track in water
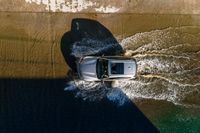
{"points": [[168, 65]]}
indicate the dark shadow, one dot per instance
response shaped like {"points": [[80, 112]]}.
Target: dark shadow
{"points": [[87, 37], [41, 106]]}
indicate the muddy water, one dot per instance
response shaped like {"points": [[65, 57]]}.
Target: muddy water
{"points": [[166, 48]]}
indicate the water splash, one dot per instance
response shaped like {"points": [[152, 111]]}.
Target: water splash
{"points": [[117, 96], [96, 91], [93, 47], [168, 65]]}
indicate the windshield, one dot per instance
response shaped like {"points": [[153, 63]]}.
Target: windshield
{"points": [[102, 68]]}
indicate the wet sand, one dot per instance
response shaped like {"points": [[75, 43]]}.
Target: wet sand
{"points": [[30, 42]]}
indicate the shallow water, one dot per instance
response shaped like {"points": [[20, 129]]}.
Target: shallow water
{"points": [[168, 64], [168, 70]]}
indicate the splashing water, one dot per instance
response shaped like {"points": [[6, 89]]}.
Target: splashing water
{"points": [[94, 91], [95, 47], [168, 67]]}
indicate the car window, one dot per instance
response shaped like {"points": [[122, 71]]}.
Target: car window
{"points": [[117, 68], [102, 68]]}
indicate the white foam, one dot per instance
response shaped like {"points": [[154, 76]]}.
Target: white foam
{"points": [[165, 70], [70, 86], [73, 6], [107, 9], [168, 61], [94, 91], [90, 47], [117, 96]]}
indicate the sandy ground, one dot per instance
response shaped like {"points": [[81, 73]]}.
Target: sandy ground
{"points": [[30, 42], [109, 6]]}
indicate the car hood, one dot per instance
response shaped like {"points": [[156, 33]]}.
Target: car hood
{"points": [[88, 68]]}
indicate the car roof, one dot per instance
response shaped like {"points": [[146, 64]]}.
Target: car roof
{"points": [[121, 68]]}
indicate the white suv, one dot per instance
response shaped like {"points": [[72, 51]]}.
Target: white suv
{"points": [[95, 68]]}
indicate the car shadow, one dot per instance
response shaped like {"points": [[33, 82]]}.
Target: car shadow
{"points": [[104, 109], [87, 37], [40, 105]]}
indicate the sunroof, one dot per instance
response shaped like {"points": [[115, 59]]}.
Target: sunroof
{"points": [[117, 68]]}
